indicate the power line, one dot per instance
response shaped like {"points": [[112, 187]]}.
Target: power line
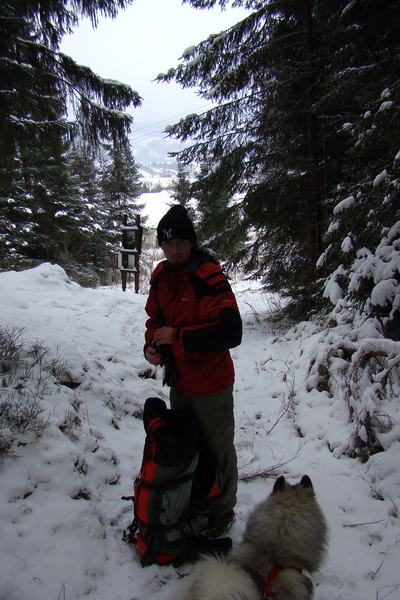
{"points": [[155, 127]]}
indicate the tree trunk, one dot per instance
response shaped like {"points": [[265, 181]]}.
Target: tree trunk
{"points": [[315, 196]]}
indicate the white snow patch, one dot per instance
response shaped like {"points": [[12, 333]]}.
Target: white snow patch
{"points": [[379, 178], [60, 497], [349, 201], [385, 105]]}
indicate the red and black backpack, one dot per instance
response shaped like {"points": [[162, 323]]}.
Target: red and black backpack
{"points": [[176, 478]]}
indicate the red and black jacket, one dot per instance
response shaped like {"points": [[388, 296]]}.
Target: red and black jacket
{"points": [[197, 301]]}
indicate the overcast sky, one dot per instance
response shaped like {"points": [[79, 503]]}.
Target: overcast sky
{"points": [[144, 40]]}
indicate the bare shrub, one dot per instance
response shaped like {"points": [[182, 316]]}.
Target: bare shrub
{"points": [[11, 346], [365, 374], [22, 412], [26, 369]]}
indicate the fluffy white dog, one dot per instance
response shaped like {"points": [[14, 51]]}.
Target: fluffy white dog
{"points": [[285, 535]]}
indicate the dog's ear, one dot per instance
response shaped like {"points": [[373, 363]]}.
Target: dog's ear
{"points": [[306, 483], [279, 485]]}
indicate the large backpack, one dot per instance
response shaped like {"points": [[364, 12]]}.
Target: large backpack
{"points": [[176, 478]]}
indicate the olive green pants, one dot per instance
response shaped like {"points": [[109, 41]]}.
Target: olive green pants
{"points": [[217, 424]]}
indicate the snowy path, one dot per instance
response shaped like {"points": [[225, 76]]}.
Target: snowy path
{"points": [[61, 513]]}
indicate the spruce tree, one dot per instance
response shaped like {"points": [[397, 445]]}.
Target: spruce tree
{"points": [[285, 80], [181, 186], [219, 219], [30, 62], [80, 243], [38, 86], [362, 241], [263, 136], [15, 216], [51, 218], [121, 188], [37, 210], [120, 185]]}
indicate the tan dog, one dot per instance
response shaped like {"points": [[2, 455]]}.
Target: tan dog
{"points": [[285, 535]]}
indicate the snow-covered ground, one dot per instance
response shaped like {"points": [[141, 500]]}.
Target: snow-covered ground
{"points": [[156, 204], [62, 516]]}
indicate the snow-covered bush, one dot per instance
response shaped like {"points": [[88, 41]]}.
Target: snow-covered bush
{"points": [[360, 362], [353, 362], [363, 239]]}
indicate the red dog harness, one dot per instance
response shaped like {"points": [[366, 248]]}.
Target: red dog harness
{"points": [[273, 574]]}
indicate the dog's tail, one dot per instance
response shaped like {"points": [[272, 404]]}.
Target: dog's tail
{"points": [[291, 584]]}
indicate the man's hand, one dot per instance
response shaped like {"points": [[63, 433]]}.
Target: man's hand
{"points": [[154, 357], [163, 335]]}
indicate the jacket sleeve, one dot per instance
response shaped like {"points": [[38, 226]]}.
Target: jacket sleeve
{"points": [[153, 311], [220, 326]]}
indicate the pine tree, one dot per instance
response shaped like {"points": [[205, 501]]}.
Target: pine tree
{"points": [[121, 187], [363, 237], [50, 192], [37, 211], [30, 62], [181, 186], [38, 85], [80, 243], [215, 213], [263, 137], [15, 217], [285, 80], [86, 253]]}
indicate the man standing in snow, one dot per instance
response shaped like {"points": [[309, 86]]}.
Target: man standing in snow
{"points": [[193, 321]]}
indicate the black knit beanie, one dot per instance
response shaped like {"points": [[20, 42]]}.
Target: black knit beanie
{"points": [[176, 224]]}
